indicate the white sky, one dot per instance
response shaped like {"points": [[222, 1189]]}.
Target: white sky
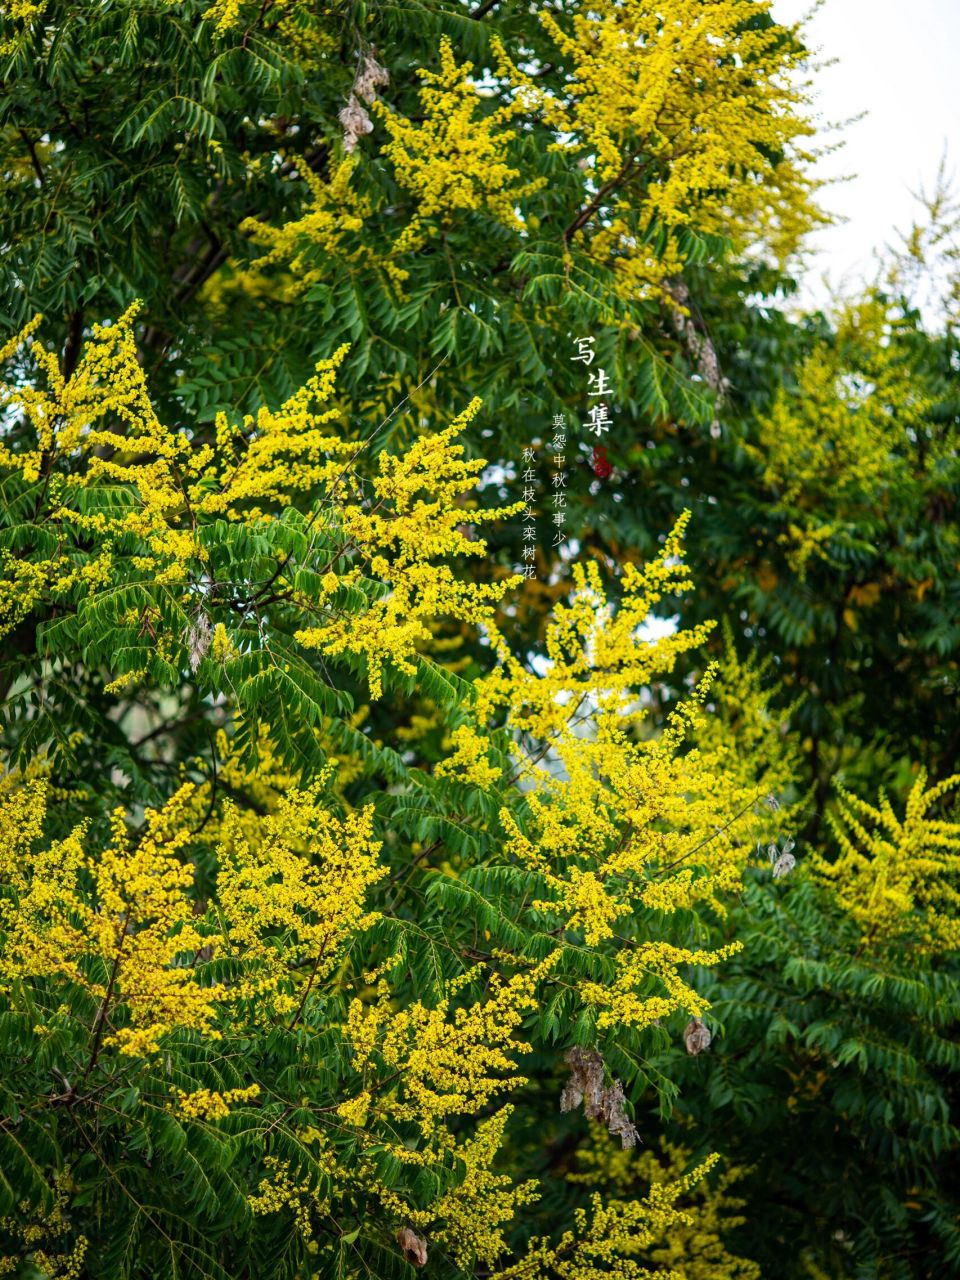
{"points": [[899, 61]]}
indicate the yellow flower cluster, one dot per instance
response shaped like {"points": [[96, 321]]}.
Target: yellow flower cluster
{"points": [[282, 1191], [23, 13], [122, 925], [304, 880], [683, 115], [40, 1235], [612, 1236], [335, 215], [897, 877], [246, 794], [103, 415], [836, 445], [747, 746], [469, 1220], [455, 158], [443, 1061], [617, 823], [422, 1067], [298, 28], [694, 1249], [469, 762], [136, 921], [640, 964], [205, 1104], [23, 10], [100, 426], [417, 520]]}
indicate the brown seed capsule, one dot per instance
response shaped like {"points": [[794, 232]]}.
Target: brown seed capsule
{"points": [[370, 78], [783, 865], [355, 123], [605, 1103], [696, 1036], [414, 1247]]}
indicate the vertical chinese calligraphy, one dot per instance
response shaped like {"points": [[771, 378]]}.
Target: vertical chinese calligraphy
{"points": [[599, 388], [599, 419], [558, 479], [528, 516]]}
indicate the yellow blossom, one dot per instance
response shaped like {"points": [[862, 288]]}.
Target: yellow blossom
{"points": [[136, 920], [469, 762], [694, 1248], [445, 1061], [100, 423], [682, 115], [612, 1236], [470, 1220], [455, 158], [305, 879], [897, 877], [205, 1104]]}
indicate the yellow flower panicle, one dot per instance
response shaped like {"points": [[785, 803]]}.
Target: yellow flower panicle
{"points": [[470, 1220], [453, 160], [417, 523], [21, 15], [135, 923], [100, 428], [443, 1061], [618, 825], [469, 762], [897, 877], [612, 1236], [621, 1002], [683, 115], [330, 228], [206, 1104], [304, 879], [121, 925], [281, 1190], [694, 1248], [835, 446], [456, 157], [42, 1238]]}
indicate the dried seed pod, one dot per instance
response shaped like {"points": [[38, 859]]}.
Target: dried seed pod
{"points": [[600, 1102], [414, 1247], [783, 865], [355, 123], [198, 639], [610, 1110], [586, 1078], [571, 1097], [369, 78], [696, 1036]]}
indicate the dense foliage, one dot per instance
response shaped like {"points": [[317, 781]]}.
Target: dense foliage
{"points": [[384, 886]]}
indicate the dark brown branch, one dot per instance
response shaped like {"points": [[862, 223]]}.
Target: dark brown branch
{"points": [[101, 1019], [307, 989], [589, 210], [34, 158], [74, 343]]}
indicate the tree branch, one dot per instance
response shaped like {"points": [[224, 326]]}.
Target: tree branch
{"points": [[34, 158]]}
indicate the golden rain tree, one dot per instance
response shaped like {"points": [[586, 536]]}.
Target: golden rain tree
{"points": [[301, 989], [367, 908]]}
